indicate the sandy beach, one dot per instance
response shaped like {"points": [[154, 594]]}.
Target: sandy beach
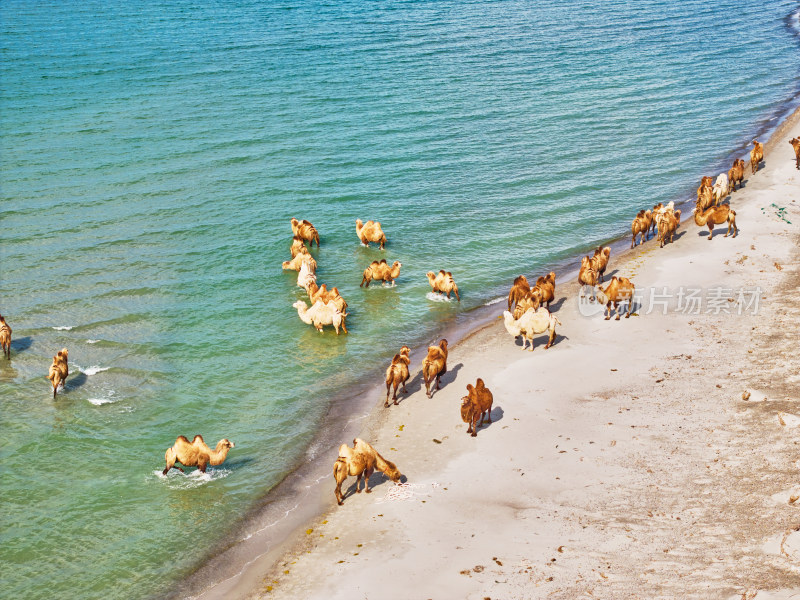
{"points": [[649, 457]]}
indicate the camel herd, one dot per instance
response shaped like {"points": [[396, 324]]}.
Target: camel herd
{"points": [[328, 308], [530, 317]]}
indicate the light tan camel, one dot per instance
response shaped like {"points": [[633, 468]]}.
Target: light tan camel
{"points": [[667, 226], [716, 215], [476, 406], [5, 337], [519, 290], [736, 174], [370, 232], [195, 454], [720, 188], [443, 283], [322, 294], [600, 260], [306, 277], [397, 374], [434, 365], [531, 324], [302, 256], [619, 290], [305, 231], [653, 213], [381, 271], [587, 275], [756, 155], [321, 314], [59, 370], [360, 460], [640, 226], [796, 145]]}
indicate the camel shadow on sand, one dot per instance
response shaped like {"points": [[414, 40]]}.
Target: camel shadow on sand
{"points": [[555, 306], [377, 480], [540, 341], [416, 383]]}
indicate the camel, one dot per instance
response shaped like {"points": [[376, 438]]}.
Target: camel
{"points": [[640, 226], [656, 209], [434, 365], [716, 215], [796, 145], [756, 155], [321, 314], [620, 290], [305, 231], [397, 374], [321, 293], [706, 199], [59, 370], [720, 189], [532, 300], [298, 245], [443, 283], [736, 174], [303, 256], [476, 406], [518, 291], [360, 460], [5, 337], [195, 454], [705, 182], [546, 287], [381, 271], [370, 232], [587, 276], [667, 227], [306, 276], [532, 323], [600, 260]]}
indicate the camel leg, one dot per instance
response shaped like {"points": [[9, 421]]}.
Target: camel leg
{"points": [[405, 391], [367, 474], [344, 326], [608, 311], [630, 307], [532, 343], [338, 492], [358, 482], [386, 402], [439, 381], [616, 310], [710, 230], [456, 293], [551, 338]]}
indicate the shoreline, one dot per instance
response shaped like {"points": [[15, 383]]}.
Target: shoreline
{"points": [[363, 417]]}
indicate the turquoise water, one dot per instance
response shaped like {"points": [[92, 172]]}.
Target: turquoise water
{"points": [[152, 156]]}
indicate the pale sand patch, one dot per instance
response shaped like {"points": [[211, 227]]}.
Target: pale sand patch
{"points": [[624, 462]]}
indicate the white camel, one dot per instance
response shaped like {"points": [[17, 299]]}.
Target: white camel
{"points": [[532, 323], [321, 314]]}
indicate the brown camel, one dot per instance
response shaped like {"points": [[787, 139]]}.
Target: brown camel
{"points": [[476, 406], [640, 226], [305, 231], [5, 337], [434, 365], [298, 245], [519, 290], [736, 174], [716, 215], [302, 256], [620, 290], [796, 145], [322, 294], [195, 454], [546, 287], [443, 283], [667, 226], [360, 460], [706, 181], [59, 370], [370, 232], [756, 155], [600, 260], [587, 275], [381, 271], [397, 374]]}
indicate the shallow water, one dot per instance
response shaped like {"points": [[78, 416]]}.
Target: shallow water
{"points": [[151, 161]]}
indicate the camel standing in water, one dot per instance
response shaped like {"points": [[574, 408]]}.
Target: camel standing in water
{"points": [[59, 370], [360, 461], [195, 454], [305, 231], [370, 232], [5, 337]]}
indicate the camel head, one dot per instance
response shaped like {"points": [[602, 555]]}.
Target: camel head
{"points": [[466, 409], [392, 472], [294, 222], [430, 275], [225, 443], [300, 305], [443, 344], [405, 350]]}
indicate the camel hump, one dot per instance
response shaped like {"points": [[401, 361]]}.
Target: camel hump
{"points": [[377, 223], [383, 261], [479, 384], [449, 274], [198, 437], [396, 359], [182, 438]]}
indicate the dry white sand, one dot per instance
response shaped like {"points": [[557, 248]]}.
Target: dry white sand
{"points": [[623, 462]]}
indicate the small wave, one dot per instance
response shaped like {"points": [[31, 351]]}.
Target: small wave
{"points": [[107, 400], [64, 328], [495, 301], [193, 479], [92, 341], [433, 297], [92, 370]]}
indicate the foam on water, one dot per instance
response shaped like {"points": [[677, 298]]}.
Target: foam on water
{"points": [[495, 301], [193, 478], [436, 297], [92, 341], [64, 328], [89, 371]]}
